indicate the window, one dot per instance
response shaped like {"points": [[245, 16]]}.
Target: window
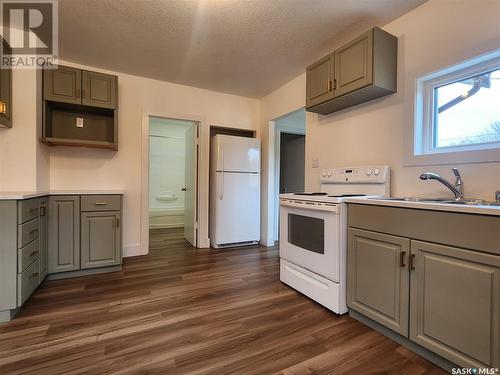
{"points": [[458, 108]]}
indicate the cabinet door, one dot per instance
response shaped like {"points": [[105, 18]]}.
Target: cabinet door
{"points": [[101, 239], [6, 92], [64, 233], [99, 90], [455, 304], [354, 64], [319, 81], [378, 278], [62, 85], [44, 238]]}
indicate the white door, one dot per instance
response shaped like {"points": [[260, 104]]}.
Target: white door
{"points": [[190, 185], [237, 154], [237, 208]]}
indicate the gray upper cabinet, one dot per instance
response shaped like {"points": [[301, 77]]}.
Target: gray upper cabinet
{"points": [[353, 64], [455, 304], [362, 70], [319, 82], [378, 279], [101, 239], [6, 92], [64, 233], [44, 238], [62, 85], [99, 90]]}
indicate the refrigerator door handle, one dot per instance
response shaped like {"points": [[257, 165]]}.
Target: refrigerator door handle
{"points": [[220, 157], [221, 188]]}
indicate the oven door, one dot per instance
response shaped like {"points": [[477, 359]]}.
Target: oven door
{"points": [[310, 238]]}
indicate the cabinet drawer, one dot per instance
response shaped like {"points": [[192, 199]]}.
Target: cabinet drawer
{"points": [[28, 255], [28, 210], [27, 232], [101, 202], [27, 282]]}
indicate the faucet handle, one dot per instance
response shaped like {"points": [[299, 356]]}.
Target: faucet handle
{"points": [[497, 195], [455, 172]]}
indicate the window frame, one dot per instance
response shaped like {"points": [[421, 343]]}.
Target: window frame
{"points": [[425, 108]]}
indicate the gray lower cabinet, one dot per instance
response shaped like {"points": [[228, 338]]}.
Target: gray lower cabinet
{"points": [[101, 239], [20, 252], [44, 237], [455, 304], [443, 297], [378, 278], [57, 234], [64, 233]]}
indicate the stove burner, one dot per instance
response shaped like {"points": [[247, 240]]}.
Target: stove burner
{"points": [[311, 194], [347, 195]]}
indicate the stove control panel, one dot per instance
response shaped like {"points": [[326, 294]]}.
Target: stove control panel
{"points": [[366, 174]]}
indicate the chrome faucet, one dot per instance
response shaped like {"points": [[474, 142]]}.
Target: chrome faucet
{"points": [[457, 189]]}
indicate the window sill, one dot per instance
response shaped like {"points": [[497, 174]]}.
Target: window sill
{"points": [[448, 158]]}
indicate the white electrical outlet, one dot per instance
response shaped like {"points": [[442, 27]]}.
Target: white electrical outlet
{"points": [[79, 122], [315, 163]]}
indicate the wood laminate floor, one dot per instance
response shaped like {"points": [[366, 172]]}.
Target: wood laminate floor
{"points": [[182, 310]]}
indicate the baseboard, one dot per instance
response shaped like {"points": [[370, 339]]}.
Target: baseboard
{"points": [[8, 315], [133, 250], [267, 242], [90, 271], [403, 341]]}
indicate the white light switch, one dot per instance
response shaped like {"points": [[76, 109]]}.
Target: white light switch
{"points": [[79, 122], [315, 163]]}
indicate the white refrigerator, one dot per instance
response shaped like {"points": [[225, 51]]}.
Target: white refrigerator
{"points": [[234, 191]]}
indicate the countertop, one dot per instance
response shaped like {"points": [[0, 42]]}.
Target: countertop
{"points": [[18, 195], [436, 206]]}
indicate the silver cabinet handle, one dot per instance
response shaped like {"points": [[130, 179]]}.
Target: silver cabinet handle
{"points": [[100, 203], [402, 256], [411, 262]]}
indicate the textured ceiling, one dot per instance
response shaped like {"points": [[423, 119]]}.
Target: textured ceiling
{"points": [[240, 47]]}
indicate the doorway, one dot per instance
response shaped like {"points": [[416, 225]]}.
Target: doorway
{"points": [[289, 158], [292, 162], [173, 193]]}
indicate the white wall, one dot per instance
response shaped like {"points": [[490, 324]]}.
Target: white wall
{"points": [[24, 164], [437, 34], [28, 165]]}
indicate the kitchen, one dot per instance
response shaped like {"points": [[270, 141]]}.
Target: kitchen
{"points": [[431, 37]]}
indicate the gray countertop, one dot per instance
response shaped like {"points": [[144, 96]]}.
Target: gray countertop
{"points": [[436, 206], [18, 195]]}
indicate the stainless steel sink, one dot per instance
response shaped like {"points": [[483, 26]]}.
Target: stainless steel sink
{"points": [[465, 201], [413, 199]]}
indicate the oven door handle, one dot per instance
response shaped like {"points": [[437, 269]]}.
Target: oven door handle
{"points": [[312, 207]]}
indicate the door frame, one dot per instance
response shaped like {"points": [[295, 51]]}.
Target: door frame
{"points": [[273, 209], [202, 239]]}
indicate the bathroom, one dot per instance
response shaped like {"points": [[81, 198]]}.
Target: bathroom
{"points": [[167, 177]]}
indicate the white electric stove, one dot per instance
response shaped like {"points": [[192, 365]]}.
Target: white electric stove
{"points": [[313, 232]]}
